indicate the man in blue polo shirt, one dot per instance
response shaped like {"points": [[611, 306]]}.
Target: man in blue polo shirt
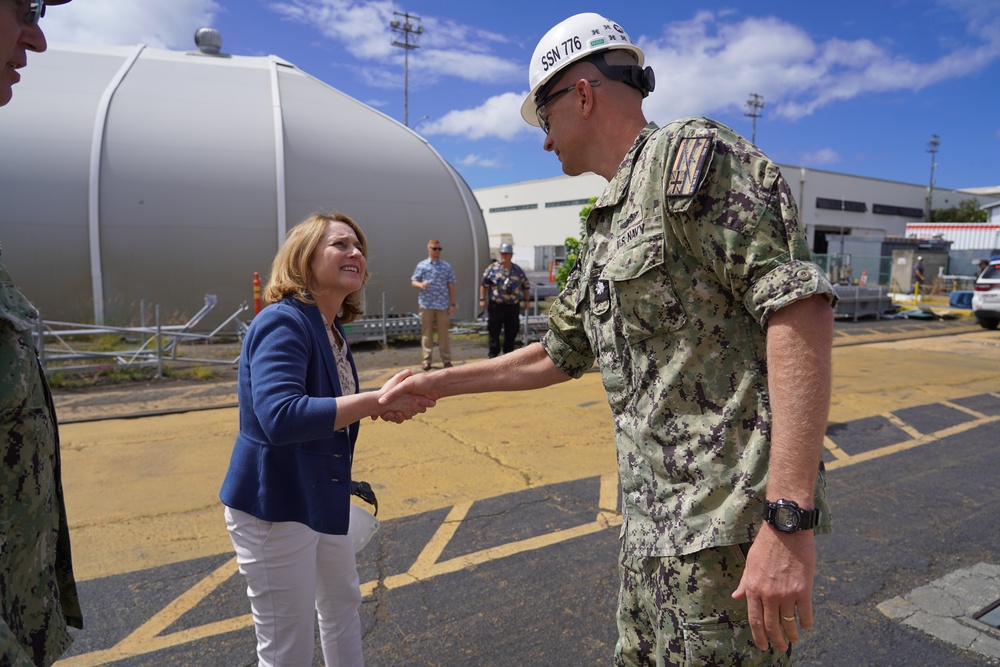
{"points": [[436, 282]]}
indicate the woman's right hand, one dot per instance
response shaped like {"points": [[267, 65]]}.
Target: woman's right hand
{"points": [[402, 407]]}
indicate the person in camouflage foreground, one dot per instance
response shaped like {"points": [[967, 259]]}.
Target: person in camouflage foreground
{"points": [[37, 590], [695, 294]]}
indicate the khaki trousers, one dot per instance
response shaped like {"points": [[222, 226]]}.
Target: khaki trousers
{"points": [[429, 321]]}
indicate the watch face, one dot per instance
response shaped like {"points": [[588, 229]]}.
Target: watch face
{"points": [[786, 517]]}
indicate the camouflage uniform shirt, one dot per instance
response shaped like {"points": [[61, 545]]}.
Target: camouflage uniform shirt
{"points": [[37, 590], [692, 245]]}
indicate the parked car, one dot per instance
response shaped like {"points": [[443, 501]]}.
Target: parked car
{"points": [[986, 296]]}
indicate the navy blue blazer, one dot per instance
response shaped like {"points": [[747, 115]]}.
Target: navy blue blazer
{"points": [[289, 464]]}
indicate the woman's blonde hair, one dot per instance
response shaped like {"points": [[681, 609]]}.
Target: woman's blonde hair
{"points": [[291, 270]]}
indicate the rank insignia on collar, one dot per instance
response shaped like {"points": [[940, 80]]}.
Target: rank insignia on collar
{"points": [[602, 291], [688, 163]]}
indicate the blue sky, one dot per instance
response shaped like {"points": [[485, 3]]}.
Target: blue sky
{"points": [[851, 87]]}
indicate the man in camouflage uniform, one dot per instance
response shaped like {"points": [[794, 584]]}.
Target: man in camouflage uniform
{"points": [[37, 590], [695, 294]]}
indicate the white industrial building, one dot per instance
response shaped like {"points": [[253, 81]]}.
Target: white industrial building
{"points": [[537, 216]]}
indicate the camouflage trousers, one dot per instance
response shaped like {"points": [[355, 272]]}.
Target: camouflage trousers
{"points": [[678, 611]]}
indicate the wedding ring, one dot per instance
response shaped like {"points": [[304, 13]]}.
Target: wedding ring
{"points": [[788, 618]]}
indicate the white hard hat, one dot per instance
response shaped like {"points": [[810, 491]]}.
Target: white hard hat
{"points": [[573, 40], [362, 526]]}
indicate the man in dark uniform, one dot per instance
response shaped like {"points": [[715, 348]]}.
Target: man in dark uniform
{"points": [[38, 596]]}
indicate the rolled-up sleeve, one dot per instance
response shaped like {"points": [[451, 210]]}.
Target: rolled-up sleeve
{"points": [[785, 284]]}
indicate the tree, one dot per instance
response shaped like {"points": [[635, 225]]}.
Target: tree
{"points": [[573, 246], [967, 211]]}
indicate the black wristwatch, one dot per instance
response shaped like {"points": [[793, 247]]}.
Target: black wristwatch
{"points": [[788, 517]]}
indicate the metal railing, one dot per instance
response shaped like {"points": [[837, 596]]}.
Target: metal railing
{"points": [[158, 342], [862, 301]]}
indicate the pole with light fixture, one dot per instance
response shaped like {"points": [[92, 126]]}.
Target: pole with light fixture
{"points": [[402, 30], [754, 105], [932, 148]]}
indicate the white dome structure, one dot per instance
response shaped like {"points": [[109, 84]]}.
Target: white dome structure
{"points": [[138, 174]]}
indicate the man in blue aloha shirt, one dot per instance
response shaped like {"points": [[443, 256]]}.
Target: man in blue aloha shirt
{"points": [[435, 279]]}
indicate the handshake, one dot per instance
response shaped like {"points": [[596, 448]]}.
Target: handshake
{"points": [[403, 397]]}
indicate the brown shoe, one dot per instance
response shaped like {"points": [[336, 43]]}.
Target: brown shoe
{"points": [[447, 364], [426, 366]]}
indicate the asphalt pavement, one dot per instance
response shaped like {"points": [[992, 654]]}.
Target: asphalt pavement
{"points": [[498, 539]]}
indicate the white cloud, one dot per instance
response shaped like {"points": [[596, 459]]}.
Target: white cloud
{"points": [[475, 160], [704, 66], [711, 63], [118, 22], [446, 48], [707, 65], [822, 156], [499, 116], [362, 28]]}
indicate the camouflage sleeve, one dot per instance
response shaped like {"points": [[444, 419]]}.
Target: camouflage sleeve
{"points": [[566, 341], [741, 222], [11, 652], [786, 284]]}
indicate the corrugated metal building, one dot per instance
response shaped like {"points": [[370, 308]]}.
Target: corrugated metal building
{"points": [[963, 235]]}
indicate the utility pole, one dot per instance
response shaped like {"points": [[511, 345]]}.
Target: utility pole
{"points": [[754, 105], [932, 148], [401, 37]]}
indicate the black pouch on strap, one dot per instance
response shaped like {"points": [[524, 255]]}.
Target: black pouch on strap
{"points": [[364, 491]]}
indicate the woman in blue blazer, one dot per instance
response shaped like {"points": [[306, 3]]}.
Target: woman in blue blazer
{"points": [[287, 490]]}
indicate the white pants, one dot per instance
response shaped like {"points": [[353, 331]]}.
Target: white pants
{"points": [[293, 572]]}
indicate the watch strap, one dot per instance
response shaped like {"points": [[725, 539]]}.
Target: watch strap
{"points": [[807, 519]]}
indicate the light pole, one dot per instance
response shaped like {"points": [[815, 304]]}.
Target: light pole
{"points": [[754, 105], [401, 37], [932, 148]]}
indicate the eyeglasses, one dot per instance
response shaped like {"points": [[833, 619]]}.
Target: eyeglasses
{"points": [[542, 113], [435, 247], [36, 10]]}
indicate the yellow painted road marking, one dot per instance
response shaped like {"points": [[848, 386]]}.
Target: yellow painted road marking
{"points": [[962, 408], [486, 454], [903, 426], [148, 638], [831, 447], [919, 441]]}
